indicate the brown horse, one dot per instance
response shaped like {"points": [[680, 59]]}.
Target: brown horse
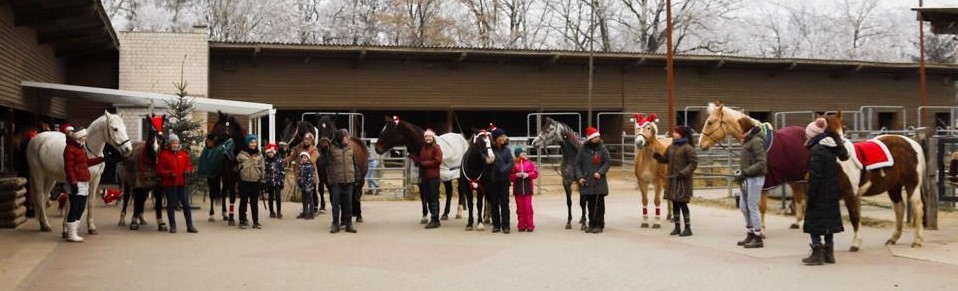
{"points": [[905, 174], [647, 169], [787, 155]]}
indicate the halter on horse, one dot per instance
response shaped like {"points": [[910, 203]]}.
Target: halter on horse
{"points": [[553, 132], [647, 169], [473, 167]]}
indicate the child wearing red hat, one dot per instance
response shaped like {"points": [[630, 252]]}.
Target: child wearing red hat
{"points": [[275, 177], [591, 165]]}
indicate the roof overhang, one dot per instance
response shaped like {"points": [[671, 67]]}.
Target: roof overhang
{"points": [[943, 20], [145, 99], [72, 27]]}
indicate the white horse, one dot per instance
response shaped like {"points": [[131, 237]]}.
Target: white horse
{"points": [[45, 160]]}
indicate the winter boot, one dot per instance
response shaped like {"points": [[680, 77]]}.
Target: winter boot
{"points": [[747, 239], [677, 230], [645, 222], [755, 243], [687, 231], [829, 253], [72, 232], [817, 257], [350, 229]]}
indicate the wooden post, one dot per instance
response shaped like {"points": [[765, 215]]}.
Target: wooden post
{"points": [[929, 186]]}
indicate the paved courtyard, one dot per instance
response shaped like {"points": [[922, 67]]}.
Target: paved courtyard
{"points": [[393, 252]]}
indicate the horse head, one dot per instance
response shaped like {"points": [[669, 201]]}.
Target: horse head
{"points": [[834, 127], [155, 136], [298, 131], [550, 133], [327, 131], [646, 129], [115, 133], [227, 127], [721, 122], [391, 135]]}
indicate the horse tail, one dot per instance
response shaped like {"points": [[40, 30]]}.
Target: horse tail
{"points": [[920, 169]]}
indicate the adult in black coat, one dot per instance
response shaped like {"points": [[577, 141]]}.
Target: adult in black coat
{"points": [[823, 217]]}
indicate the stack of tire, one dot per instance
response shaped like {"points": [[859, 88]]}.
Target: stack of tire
{"points": [[13, 195]]}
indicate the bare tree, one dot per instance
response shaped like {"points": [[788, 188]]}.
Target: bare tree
{"points": [[696, 24], [485, 17], [939, 49], [416, 22], [581, 21]]}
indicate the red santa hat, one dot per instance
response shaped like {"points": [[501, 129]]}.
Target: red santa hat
{"points": [[271, 147], [591, 132], [66, 127]]}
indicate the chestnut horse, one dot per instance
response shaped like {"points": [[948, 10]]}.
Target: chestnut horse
{"points": [[787, 155], [647, 169], [905, 174]]}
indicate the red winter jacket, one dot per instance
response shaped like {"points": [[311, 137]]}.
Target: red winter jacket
{"points": [[76, 164], [173, 167], [430, 157]]}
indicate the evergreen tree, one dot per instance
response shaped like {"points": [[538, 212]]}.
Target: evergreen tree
{"points": [[181, 115]]}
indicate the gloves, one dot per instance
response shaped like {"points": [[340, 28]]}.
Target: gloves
{"points": [[738, 176], [656, 155], [74, 189]]}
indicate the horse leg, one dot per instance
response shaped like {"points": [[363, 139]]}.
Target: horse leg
{"points": [[762, 207], [918, 212], [798, 195], [567, 186], [447, 185], [466, 191], [480, 198], [899, 203], [232, 191], [357, 204], [644, 188], [41, 192], [158, 208], [853, 204], [126, 201], [658, 204], [582, 206], [462, 200]]}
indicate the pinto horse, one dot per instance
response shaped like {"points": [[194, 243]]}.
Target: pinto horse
{"points": [[471, 174], [327, 131], [139, 176], [647, 169], [453, 146], [45, 162], [232, 137], [787, 155], [553, 132], [905, 172]]}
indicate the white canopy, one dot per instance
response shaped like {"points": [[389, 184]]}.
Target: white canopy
{"points": [[136, 98]]}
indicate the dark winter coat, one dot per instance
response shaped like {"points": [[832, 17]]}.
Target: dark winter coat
{"points": [[173, 167], [593, 158], [306, 177], [275, 173], [501, 165], [682, 161], [429, 159], [76, 164], [754, 159], [823, 214], [524, 186], [339, 164]]}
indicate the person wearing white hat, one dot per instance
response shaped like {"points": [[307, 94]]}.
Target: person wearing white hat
{"points": [[306, 180], [77, 165]]}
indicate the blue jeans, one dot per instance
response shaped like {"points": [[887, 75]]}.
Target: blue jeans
{"points": [[307, 197], [748, 203], [178, 194]]}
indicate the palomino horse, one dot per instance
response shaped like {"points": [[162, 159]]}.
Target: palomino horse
{"points": [[906, 172], [472, 174], [230, 135], [787, 155], [453, 146], [553, 132], [327, 130], [647, 169], [139, 176], [45, 160]]}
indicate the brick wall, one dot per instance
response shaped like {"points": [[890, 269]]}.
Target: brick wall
{"points": [[153, 61]]}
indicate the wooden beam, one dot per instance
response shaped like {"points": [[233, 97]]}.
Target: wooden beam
{"points": [[548, 63], [87, 49], [71, 32], [455, 63], [32, 17]]}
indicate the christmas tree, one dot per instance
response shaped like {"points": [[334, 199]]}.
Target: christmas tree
{"points": [[181, 115]]}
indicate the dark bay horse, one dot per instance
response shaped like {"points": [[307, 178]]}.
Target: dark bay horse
{"points": [[902, 181], [553, 132], [139, 178], [294, 134], [230, 135], [472, 175], [398, 132], [327, 131]]}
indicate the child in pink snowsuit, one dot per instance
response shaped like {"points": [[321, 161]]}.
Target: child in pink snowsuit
{"points": [[523, 175]]}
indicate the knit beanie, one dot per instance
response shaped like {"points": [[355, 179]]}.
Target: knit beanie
{"points": [[429, 132], [496, 132], [250, 138], [682, 131], [519, 150], [815, 128], [172, 137]]}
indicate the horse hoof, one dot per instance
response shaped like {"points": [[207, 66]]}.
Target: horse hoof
{"points": [[794, 226], [121, 223], [211, 219], [458, 216], [645, 225], [481, 228], [916, 245], [568, 226], [889, 242], [444, 217], [91, 231], [231, 223], [45, 229], [423, 221], [853, 249], [582, 227], [134, 226], [225, 218], [469, 228], [359, 219], [656, 226]]}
